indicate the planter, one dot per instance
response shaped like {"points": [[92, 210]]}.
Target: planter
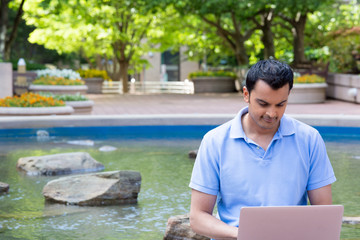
{"points": [[59, 89], [344, 87], [94, 85], [35, 111], [81, 107], [214, 84], [308, 93]]}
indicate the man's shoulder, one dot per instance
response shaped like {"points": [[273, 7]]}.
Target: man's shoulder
{"points": [[298, 127], [219, 131]]}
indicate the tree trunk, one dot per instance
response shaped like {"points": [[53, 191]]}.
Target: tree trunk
{"points": [[268, 38], [240, 53], [124, 65], [4, 13], [14, 29], [298, 34]]}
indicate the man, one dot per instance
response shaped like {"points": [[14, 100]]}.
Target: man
{"points": [[260, 158]]}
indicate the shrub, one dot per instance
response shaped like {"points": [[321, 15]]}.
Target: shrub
{"points": [[30, 100], [30, 66], [93, 73], [306, 78], [51, 80], [212, 74], [64, 73], [65, 97]]}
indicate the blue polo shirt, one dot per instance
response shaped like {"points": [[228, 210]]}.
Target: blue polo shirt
{"points": [[241, 173]]}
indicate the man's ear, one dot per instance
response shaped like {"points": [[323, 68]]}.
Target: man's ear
{"points": [[246, 94]]}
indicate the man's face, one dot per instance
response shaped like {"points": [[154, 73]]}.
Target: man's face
{"points": [[266, 105]]}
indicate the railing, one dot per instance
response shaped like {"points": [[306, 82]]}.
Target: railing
{"points": [[185, 87], [111, 87]]}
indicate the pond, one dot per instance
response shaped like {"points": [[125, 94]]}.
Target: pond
{"points": [[160, 154]]}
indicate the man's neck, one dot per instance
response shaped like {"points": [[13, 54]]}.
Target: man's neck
{"points": [[259, 135]]}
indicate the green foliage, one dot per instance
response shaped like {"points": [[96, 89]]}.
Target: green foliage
{"points": [[29, 66], [327, 30], [220, 73], [65, 97], [210, 30], [110, 29], [93, 73]]}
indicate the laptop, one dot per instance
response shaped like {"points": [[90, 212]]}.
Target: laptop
{"points": [[316, 222]]}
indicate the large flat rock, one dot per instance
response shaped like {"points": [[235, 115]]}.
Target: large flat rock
{"points": [[59, 164], [106, 188]]}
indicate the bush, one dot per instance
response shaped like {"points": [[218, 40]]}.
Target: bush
{"points": [[212, 74], [30, 66], [64, 73], [65, 97], [30, 100], [93, 73], [51, 80], [306, 78]]}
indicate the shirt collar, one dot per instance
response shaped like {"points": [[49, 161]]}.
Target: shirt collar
{"points": [[236, 131]]}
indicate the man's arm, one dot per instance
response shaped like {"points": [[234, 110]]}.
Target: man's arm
{"points": [[321, 196], [203, 222]]}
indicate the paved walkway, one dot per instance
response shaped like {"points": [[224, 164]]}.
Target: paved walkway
{"points": [[113, 104], [181, 109]]}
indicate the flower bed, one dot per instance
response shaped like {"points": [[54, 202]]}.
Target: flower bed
{"points": [[30, 100], [52, 80], [58, 82], [80, 103], [308, 89], [308, 78], [213, 82], [94, 79], [33, 104]]}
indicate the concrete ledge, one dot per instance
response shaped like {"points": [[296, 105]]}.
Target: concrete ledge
{"points": [[59, 89], [345, 87], [329, 120], [158, 119], [308, 93], [81, 107], [35, 111]]}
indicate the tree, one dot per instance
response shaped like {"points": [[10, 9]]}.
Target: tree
{"points": [[108, 28], [230, 19], [295, 13], [7, 37], [337, 36]]}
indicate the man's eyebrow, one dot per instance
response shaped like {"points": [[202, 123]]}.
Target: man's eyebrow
{"points": [[261, 101], [265, 102], [282, 102]]}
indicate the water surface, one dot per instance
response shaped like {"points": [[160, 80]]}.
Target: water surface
{"points": [[165, 169]]}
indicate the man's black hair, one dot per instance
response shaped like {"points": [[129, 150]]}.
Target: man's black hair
{"points": [[275, 73]]}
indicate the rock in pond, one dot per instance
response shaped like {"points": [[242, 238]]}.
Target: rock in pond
{"points": [[178, 227], [192, 154], [106, 188], [107, 149], [4, 187], [59, 164]]}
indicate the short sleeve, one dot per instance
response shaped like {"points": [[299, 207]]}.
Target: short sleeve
{"points": [[205, 174], [321, 172]]}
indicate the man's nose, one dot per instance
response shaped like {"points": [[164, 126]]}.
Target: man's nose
{"points": [[271, 112]]}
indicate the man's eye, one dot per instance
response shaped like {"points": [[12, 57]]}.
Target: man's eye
{"points": [[262, 104]]}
